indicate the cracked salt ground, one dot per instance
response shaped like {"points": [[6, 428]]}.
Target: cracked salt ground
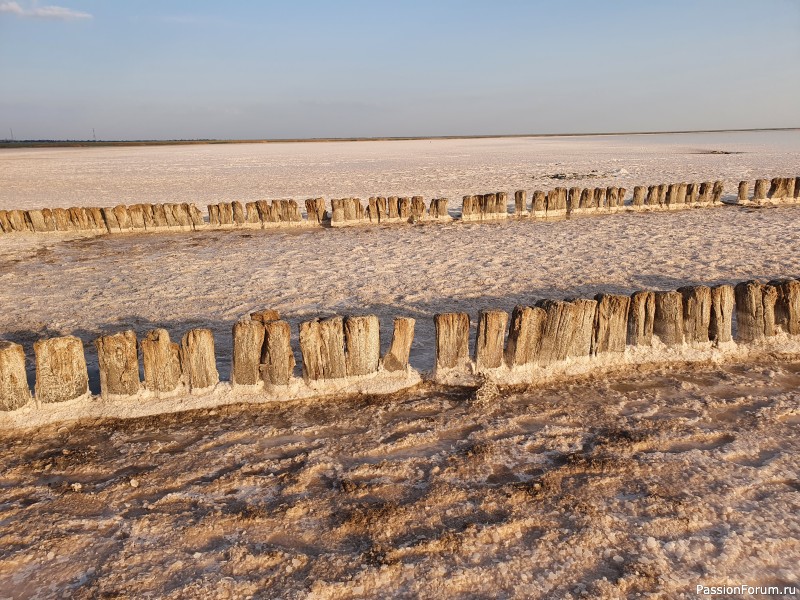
{"points": [[636, 486]]}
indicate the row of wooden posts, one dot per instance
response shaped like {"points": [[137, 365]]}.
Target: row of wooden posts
{"points": [[338, 347], [262, 214]]}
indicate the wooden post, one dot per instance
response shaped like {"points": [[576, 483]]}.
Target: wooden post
{"points": [[452, 340], [119, 364], [198, 363], [641, 316], [362, 343], [277, 359], [490, 340], [668, 319], [696, 313], [611, 323], [248, 341], [524, 335], [787, 305], [396, 359], [14, 390], [161, 361], [722, 301], [60, 369]]}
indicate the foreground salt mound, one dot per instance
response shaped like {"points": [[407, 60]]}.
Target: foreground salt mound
{"points": [[342, 355]]}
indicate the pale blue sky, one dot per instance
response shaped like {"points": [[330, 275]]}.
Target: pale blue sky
{"points": [[140, 69]]}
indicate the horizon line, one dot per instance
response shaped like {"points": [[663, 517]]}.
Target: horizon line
{"points": [[8, 143]]}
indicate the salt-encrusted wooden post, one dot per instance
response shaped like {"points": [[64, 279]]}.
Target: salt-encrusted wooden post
{"points": [[135, 212], [696, 312], [574, 200], [672, 196], [467, 208], [161, 361], [600, 199], [213, 215], [722, 301], [682, 189], [396, 359], [5, 224], [761, 187], [638, 196], [118, 362], [581, 340], [60, 369], [337, 212], [197, 217], [225, 214], [36, 219], [751, 318], [372, 210], [568, 329], [520, 203], [277, 360], [668, 318], [611, 323], [452, 340], [417, 208], [248, 341], [490, 340], [790, 188], [692, 192], [14, 390], [612, 194], [198, 363], [744, 187], [787, 305], [539, 204], [587, 200], [19, 221], [621, 192], [394, 209], [383, 213], [322, 348], [716, 192], [403, 208], [777, 188], [251, 217], [315, 209], [362, 343], [641, 315], [524, 335]]}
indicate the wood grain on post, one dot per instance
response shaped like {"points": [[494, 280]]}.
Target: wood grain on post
{"points": [[539, 203], [520, 202], [20, 223], [37, 221], [362, 343], [14, 390], [277, 359], [135, 212], [396, 359], [161, 361], [524, 335], [761, 188], [574, 200], [322, 348], [696, 313], [668, 318], [251, 216], [750, 314], [118, 361], [638, 195], [248, 341], [198, 362], [641, 316], [787, 305], [692, 192], [744, 188], [452, 340], [716, 192], [722, 302], [60, 369], [581, 340], [611, 323], [490, 340]]}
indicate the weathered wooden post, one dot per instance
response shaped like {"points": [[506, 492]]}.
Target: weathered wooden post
{"points": [[277, 359], [744, 187], [638, 196], [668, 319], [490, 340], [539, 204], [198, 363], [322, 348], [161, 361], [761, 187], [315, 209], [641, 316], [396, 359], [362, 343], [787, 305], [524, 335], [610, 330], [716, 192], [452, 340], [574, 200], [14, 390], [692, 192], [696, 313], [722, 301], [520, 203], [755, 316], [248, 341], [60, 369], [119, 364]]}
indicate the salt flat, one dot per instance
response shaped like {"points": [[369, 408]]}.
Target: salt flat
{"points": [[648, 482]]}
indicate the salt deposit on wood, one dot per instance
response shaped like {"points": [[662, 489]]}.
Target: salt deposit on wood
{"points": [[452, 340], [692, 193], [524, 335], [539, 204], [60, 369], [490, 340], [787, 305], [277, 359], [161, 362], [668, 319], [198, 362], [716, 192], [640, 318], [520, 203], [118, 362], [721, 323], [611, 323], [14, 391], [696, 313], [396, 359], [761, 188], [744, 188], [752, 322], [362, 344], [248, 340], [322, 347]]}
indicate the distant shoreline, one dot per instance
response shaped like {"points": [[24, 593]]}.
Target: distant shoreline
{"points": [[6, 144]]}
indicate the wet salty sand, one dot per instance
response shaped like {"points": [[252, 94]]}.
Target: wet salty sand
{"points": [[646, 484]]}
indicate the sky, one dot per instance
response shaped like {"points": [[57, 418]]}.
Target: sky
{"points": [[197, 69]]}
